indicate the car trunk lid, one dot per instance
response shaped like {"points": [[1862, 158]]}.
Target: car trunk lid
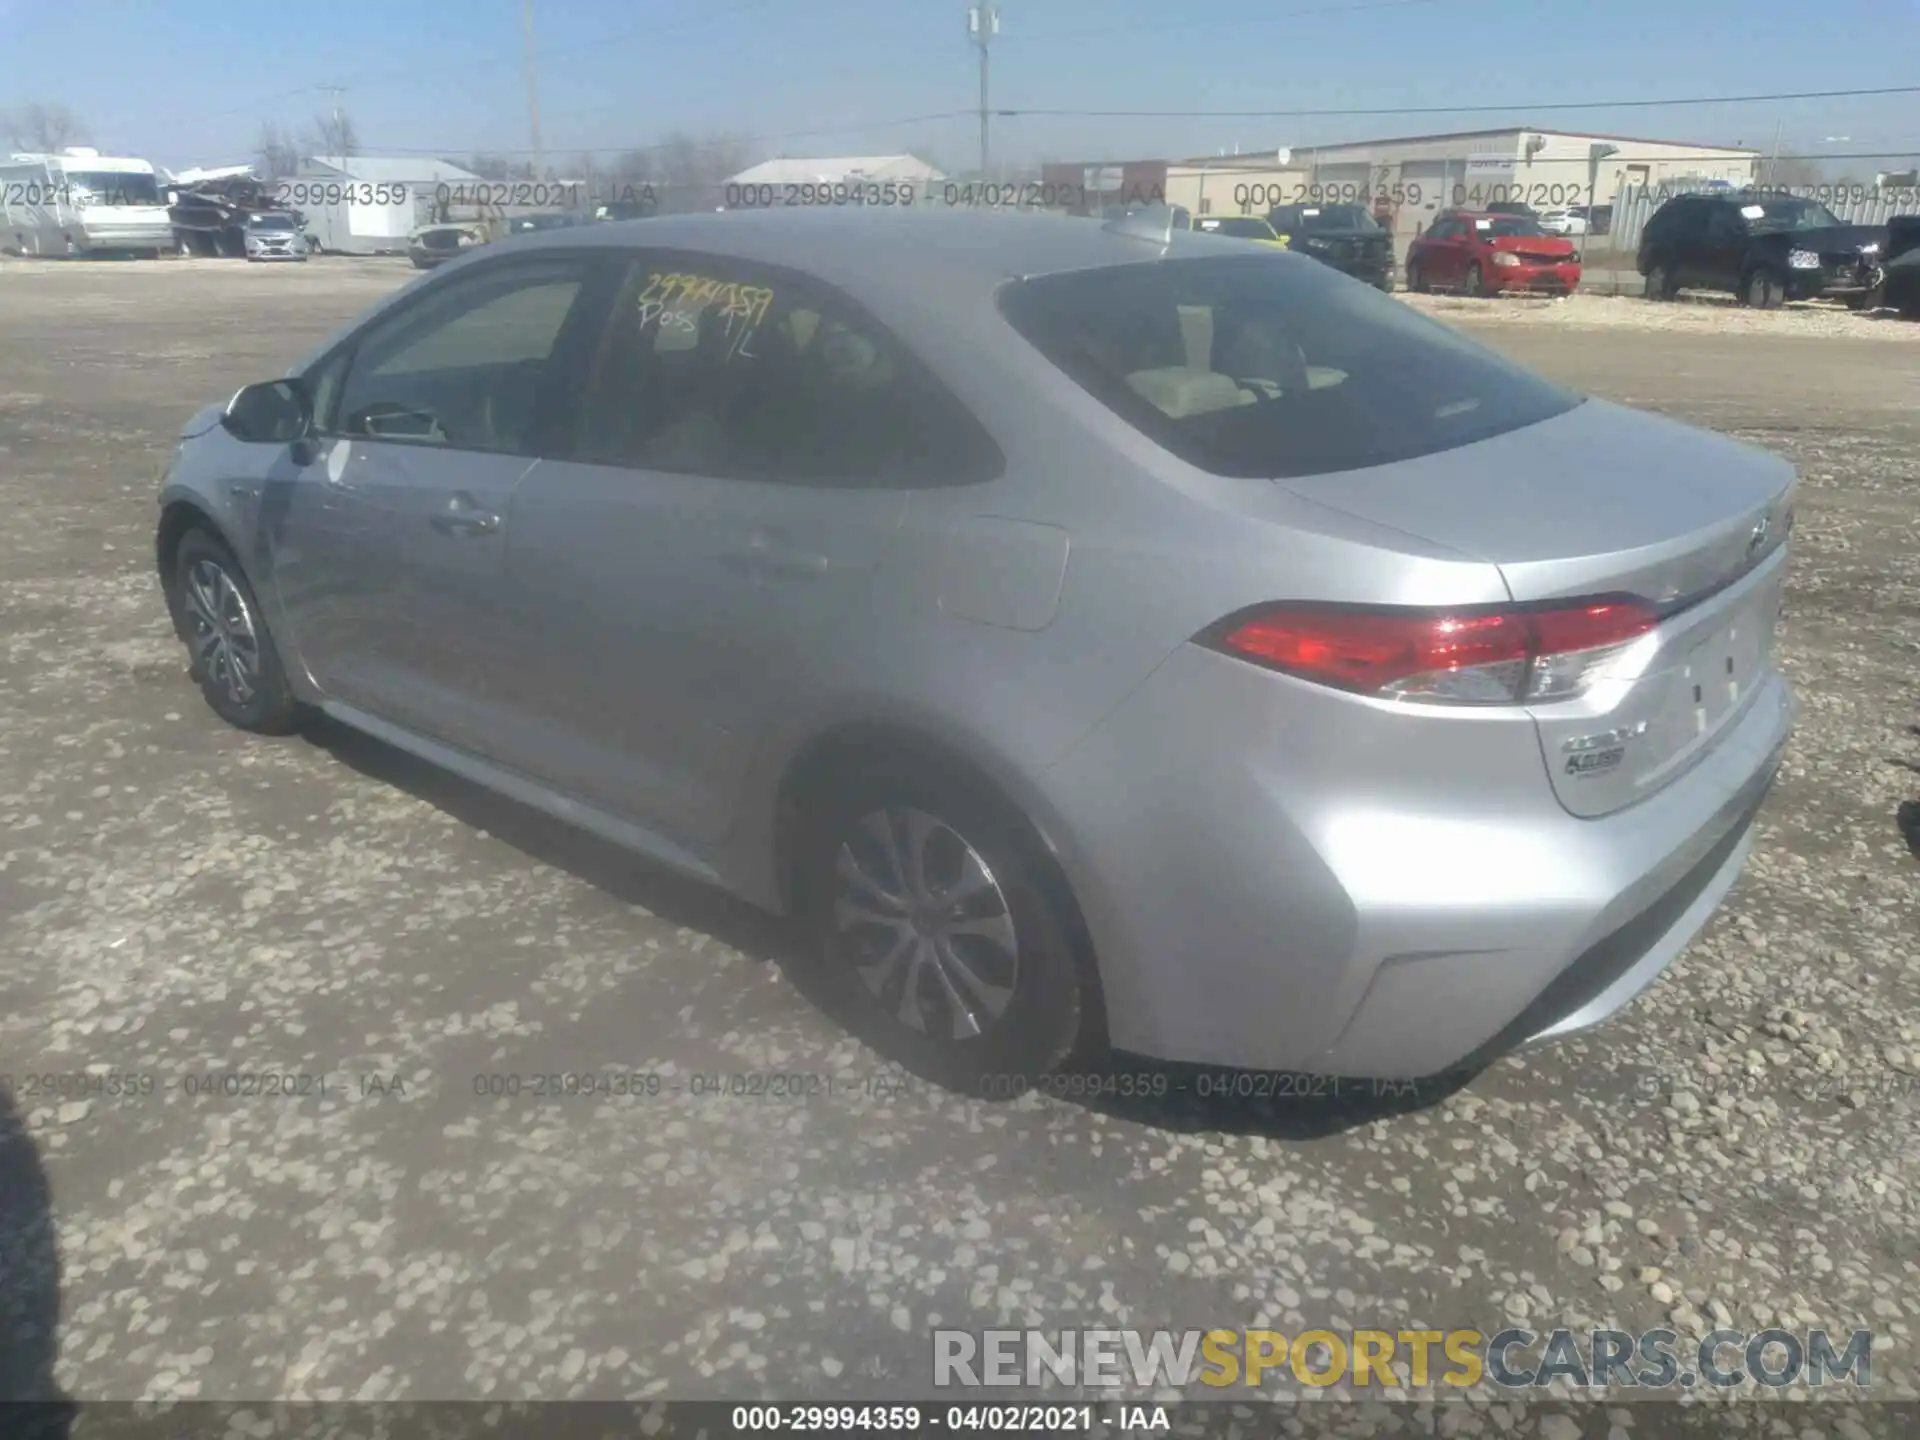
{"points": [[1604, 500]]}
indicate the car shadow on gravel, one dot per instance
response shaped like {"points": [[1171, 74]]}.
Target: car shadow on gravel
{"points": [[629, 878], [32, 1406], [1158, 1094]]}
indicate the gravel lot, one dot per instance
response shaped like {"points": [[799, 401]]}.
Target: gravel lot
{"points": [[177, 898]]}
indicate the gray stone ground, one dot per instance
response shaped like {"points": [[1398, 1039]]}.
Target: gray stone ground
{"points": [[177, 898]]}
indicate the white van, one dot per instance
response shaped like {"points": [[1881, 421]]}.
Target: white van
{"points": [[80, 202]]}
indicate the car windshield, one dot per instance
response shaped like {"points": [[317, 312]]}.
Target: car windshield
{"points": [[1290, 219], [1507, 226], [114, 187], [1247, 368], [1245, 227], [1782, 213], [270, 222]]}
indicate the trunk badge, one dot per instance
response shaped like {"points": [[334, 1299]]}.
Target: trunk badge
{"points": [[1759, 536]]}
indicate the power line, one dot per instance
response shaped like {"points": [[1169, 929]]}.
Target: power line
{"points": [[1242, 22], [1465, 109], [719, 144]]}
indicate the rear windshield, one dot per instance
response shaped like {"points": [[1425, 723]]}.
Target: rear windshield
{"points": [[1258, 366], [1291, 219], [1245, 227]]}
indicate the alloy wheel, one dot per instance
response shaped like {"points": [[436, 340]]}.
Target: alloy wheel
{"points": [[924, 923], [224, 640]]}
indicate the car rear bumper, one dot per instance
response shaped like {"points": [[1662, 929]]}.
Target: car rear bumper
{"points": [[1375, 890], [1372, 269]]}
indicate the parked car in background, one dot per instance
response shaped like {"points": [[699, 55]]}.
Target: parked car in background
{"points": [[538, 221], [1347, 237], [274, 235], [1578, 220], [624, 209], [1240, 227], [431, 245], [1481, 253], [1208, 657], [1512, 207], [1764, 247], [1900, 289]]}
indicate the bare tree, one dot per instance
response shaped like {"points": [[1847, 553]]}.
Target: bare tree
{"points": [[1792, 170], [335, 134], [277, 153], [43, 127]]}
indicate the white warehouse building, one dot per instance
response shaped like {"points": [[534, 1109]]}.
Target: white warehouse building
{"points": [[1409, 179]]}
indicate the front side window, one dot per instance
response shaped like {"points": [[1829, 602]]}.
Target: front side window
{"points": [[465, 365], [1249, 368], [715, 366]]}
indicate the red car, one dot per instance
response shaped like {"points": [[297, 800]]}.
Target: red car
{"points": [[1484, 254]]}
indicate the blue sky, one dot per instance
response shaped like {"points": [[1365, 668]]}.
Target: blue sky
{"points": [[190, 82]]}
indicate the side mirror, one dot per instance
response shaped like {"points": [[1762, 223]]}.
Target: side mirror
{"points": [[272, 412]]}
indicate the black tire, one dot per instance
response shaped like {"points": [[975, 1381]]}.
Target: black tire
{"points": [[1416, 279], [1659, 282], [1045, 985], [1476, 281], [1762, 289], [1867, 300], [208, 582], [1385, 282]]}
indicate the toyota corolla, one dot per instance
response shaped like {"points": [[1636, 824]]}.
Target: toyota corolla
{"points": [[1090, 634]]}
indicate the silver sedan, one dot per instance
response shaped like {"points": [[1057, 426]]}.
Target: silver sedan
{"points": [[1092, 635]]}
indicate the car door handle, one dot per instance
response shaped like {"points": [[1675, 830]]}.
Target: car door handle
{"points": [[463, 517]]}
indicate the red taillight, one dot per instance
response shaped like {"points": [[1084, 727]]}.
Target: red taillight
{"points": [[1485, 657]]}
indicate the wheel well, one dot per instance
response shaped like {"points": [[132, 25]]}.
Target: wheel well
{"points": [[862, 748], [175, 521]]}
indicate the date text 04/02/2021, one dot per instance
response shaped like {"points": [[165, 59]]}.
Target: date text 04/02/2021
{"points": [[855, 1419]]}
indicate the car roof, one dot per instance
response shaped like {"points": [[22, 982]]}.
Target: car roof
{"points": [[936, 256]]}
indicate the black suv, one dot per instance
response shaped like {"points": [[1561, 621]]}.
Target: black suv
{"points": [[1346, 237], [1763, 247]]}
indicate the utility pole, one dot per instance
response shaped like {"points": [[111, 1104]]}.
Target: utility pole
{"points": [[1774, 162], [533, 96], [338, 138], [983, 23]]}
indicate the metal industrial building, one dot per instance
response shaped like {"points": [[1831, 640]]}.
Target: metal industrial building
{"points": [[1409, 179], [839, 170], [372, 217]]}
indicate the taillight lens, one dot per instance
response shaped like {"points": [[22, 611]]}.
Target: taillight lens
{"points": [[1511, 656]]}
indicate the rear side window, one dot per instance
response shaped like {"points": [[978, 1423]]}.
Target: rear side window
{"points": [[716, 366], [1261, 367]]}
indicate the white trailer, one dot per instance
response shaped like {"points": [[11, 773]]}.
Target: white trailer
{"points": [[80, 202]]}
